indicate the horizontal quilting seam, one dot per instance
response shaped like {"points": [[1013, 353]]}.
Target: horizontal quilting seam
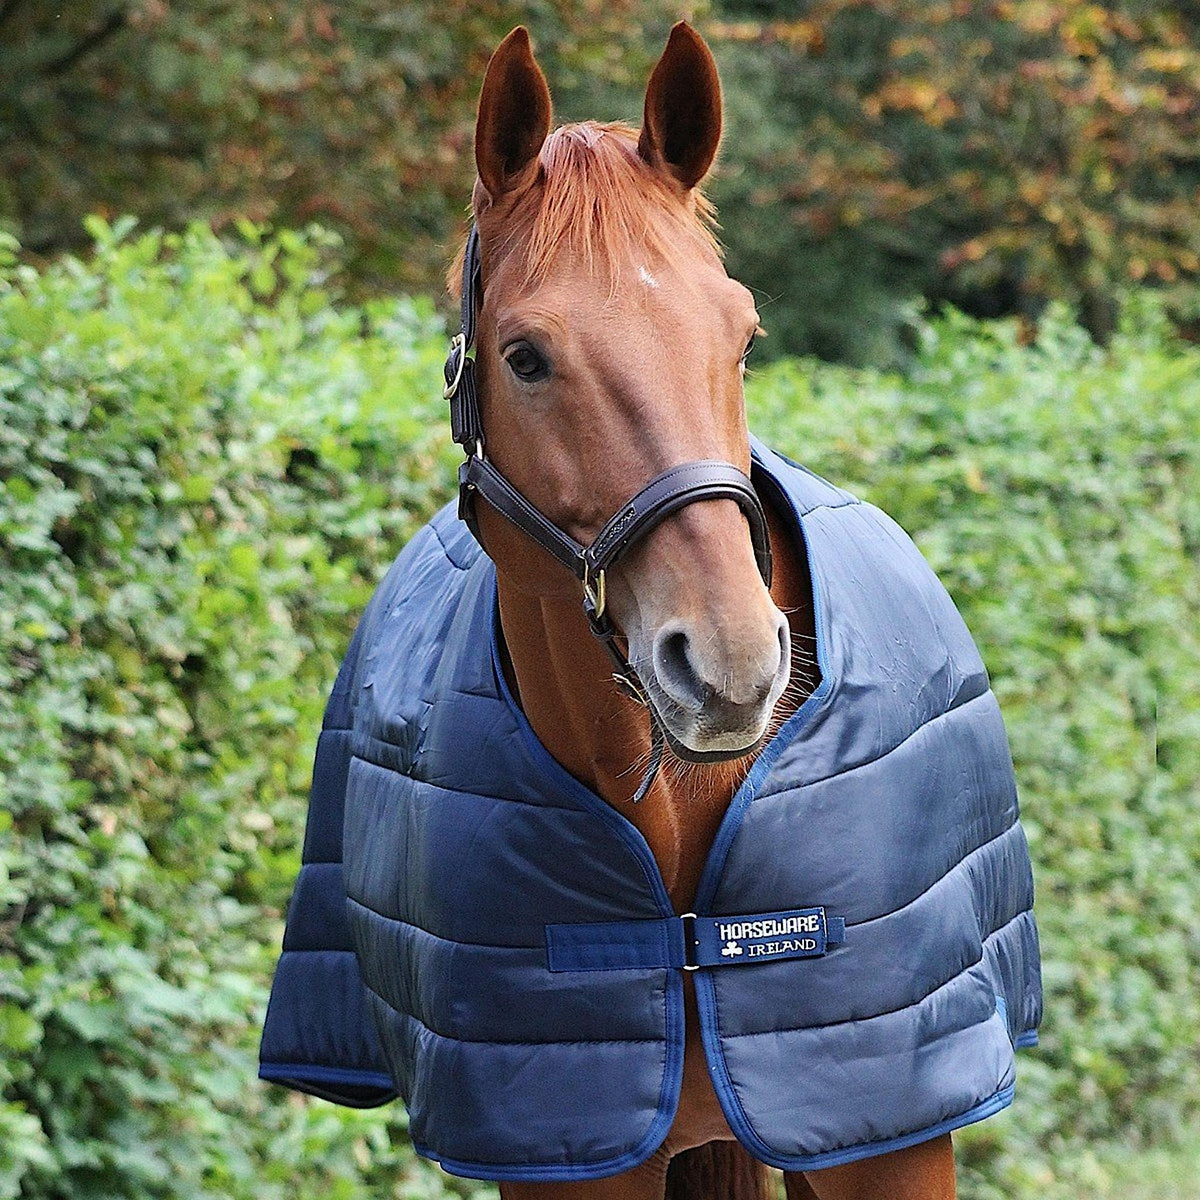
{"points": [[850, 925], [889, 1011], [879, 758], [608, 817], [940, 879], [449, 1037], [366, 738], [540, 946]]}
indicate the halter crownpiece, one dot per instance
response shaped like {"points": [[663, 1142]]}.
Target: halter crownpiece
{"points": [[666, 493]]}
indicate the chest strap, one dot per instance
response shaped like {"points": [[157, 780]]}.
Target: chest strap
{"points": [[690, 942]]}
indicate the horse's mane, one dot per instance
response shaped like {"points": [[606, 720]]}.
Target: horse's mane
{"points": [[599, 199]]}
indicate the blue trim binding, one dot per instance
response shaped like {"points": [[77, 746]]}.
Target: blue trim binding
{"points": [[831, 1158], [632, 836], [786, 733], [731, 1106], [1023, 1040], [834, 1158], [286, 1072]]}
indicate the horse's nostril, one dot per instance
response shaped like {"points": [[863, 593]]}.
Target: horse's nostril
{"points": [[785, 651], [722, 679], [676, 672]]}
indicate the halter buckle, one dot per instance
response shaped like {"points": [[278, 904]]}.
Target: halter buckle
{"points": [[457, 342], [594, 592]]}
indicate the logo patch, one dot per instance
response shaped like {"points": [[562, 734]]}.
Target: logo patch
{"points": [[762, 937]]}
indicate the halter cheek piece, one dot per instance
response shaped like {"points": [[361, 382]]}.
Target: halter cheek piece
{"points": [[665, 494]]}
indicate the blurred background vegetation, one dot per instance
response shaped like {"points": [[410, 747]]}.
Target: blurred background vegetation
{"points": [[214, 439], [998, 155]]}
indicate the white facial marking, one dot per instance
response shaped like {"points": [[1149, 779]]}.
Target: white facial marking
{"points": [[647, 278]]}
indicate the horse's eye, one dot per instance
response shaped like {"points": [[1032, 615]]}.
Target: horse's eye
{"points": [[749, 347], [526, 363]]}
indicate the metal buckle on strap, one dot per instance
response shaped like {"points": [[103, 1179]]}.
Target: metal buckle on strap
{"points": [[457, 342], [689, 941], [594, 591]]}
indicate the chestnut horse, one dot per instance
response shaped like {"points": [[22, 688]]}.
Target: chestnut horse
{"points": [[611, 345]]}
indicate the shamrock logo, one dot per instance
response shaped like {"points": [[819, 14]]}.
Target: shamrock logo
{"points": [[731, 949]]}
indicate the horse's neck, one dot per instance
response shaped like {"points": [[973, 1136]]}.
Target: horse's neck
{"points": [[562, 677]]}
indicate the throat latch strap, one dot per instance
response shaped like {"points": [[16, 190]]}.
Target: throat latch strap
{"points": [[690, 942]]}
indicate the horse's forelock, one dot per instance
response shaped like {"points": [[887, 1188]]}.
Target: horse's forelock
{"points": [[597, 198]]}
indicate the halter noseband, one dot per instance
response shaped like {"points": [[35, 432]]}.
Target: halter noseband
{"points": [[665, 494]]}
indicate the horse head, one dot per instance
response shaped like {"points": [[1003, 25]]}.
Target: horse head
{"points": [[610, 347]]}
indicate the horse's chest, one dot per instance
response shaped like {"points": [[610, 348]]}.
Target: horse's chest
{"points": [[679, 820]]}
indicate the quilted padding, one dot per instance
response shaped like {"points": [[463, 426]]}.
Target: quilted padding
{"points": [[443, 840]]}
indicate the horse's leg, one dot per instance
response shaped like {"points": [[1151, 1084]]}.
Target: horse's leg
{"points": [[921, 1172], [645, 1182], [797, 1187]]}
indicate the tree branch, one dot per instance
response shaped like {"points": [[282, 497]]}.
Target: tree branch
{"points": [[112, 24]]}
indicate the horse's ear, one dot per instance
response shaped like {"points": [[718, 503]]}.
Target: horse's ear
{"points": [[514, 117], [682, 122]]}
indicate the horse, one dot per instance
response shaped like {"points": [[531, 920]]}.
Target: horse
{"points": [[612, 344]]}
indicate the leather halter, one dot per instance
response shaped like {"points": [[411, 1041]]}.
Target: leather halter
{"points": [[665, 494]]}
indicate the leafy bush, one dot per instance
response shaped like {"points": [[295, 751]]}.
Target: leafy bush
{"points": [[205, 466], [995, 155], [206, 462]]}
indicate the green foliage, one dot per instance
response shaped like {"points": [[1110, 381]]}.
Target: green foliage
{"points": [[356, 114], [205, 465], [996, 155]]}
